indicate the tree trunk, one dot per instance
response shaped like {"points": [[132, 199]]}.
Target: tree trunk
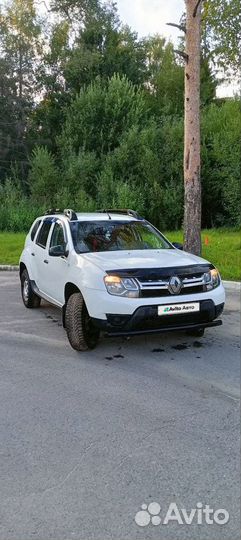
{"points": [[192, 182]]}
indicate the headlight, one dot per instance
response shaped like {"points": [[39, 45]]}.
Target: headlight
{"points": [[212, 279], [121, 286]]}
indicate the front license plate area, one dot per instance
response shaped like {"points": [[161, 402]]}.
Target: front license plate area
{"points": [[178, 309]]}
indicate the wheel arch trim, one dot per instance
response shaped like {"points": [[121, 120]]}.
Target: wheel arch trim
{"points": [[69, 289], [22, 267]]}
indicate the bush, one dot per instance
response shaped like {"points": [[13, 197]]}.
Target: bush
{"points": [[80, 201], [44, 177], [221, 164], [112, 153], [16, 211], [99, 115], [79, 171], [231, 200]]}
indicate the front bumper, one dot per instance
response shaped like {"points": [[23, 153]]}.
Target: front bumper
{"points": [[145, 320], [100, 302]]}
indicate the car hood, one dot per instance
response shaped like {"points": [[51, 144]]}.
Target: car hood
{"points": [[149, 258]]}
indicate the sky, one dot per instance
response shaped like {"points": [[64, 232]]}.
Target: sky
{"points": [[151, 16]]}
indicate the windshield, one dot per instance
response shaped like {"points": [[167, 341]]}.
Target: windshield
{"points": [[113, 235]]}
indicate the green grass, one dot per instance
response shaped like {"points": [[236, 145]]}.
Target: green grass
{"points": [[223, 249], [11, 245]]}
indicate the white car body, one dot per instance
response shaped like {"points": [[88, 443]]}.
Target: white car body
{"points": [[51, 275]]}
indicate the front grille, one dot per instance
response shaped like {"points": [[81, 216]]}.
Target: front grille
{"points": [[159, 293], [152, 287], [165, 278]]}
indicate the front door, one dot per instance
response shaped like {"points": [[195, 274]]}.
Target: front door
{"points": [[57, 267]]}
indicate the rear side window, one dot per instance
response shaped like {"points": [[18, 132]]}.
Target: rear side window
{"points": [[34, 229], [43, 234]]}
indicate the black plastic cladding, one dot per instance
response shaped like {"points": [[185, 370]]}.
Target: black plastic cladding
{"points": [[154, 274]]}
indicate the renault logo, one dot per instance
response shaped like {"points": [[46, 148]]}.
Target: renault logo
{"points": [[175, 285]]}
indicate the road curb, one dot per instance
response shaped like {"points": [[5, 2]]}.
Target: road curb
{"points": [[232, 285], [8, 268]]}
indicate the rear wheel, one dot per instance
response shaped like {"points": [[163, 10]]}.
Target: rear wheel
{"points": [[30, 299], [81, 332], [199, 332]]}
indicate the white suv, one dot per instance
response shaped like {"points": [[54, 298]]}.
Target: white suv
{"points": [[112, 271]]}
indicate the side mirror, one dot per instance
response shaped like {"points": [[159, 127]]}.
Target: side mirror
{"points": [[58, 251], [177, 245]]}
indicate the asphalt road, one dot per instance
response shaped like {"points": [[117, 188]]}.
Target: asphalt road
{"points": [[86, 439]]}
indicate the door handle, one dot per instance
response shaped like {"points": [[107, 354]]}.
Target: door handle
{"points": [[46, 262], [33, 254]]}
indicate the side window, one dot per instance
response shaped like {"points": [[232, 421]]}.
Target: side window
{"points": [[57, 238], [34, 229], [43, 234]]}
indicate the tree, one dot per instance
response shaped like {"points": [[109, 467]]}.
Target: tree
{"points": [[102, 48], [44, 177], [100, 114], [221, 164], [191, 26], [208, 83], [47, 116], [8, 121], [164, 77], [192, 182], [20, 47], [222, 33], [74, 10]]}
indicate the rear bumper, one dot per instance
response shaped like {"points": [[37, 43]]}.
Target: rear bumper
{"points": [[145, 320]]}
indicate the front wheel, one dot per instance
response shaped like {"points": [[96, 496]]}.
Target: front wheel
{"points": [[81, 332], [199, 332], [30, 299]]}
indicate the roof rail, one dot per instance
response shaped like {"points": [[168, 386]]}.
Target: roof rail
{"points": [[52, 211], [126, 211], [70, 214]]}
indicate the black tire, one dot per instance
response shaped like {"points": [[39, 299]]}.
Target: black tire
{"points": [[199, 332], [30, 299], [81, 332]]}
